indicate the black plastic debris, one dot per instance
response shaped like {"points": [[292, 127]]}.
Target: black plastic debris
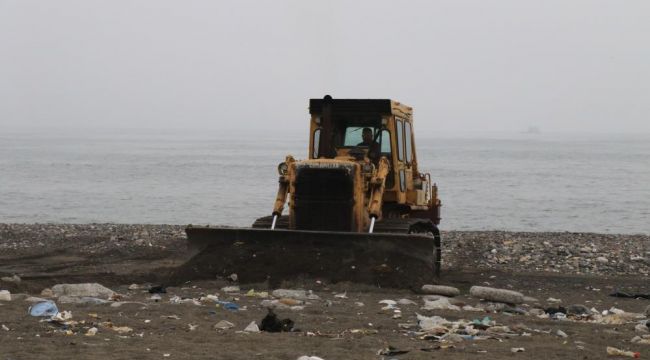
{"points": [[555, 310], [271, 323], [158, 289]]}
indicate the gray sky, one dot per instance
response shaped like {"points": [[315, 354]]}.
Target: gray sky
{"points": [[481, 65]]}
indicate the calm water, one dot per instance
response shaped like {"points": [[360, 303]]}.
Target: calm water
{"points": [[511, 182]]}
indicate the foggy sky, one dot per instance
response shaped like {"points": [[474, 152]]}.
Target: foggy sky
{"points": [[481, 65]]}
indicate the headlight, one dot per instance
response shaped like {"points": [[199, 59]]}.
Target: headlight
{"points": [[283, 168]]}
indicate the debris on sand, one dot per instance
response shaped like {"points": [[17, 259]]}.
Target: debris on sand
{"points": [[44, 309], [5, 295], [223, 325], [11, 279], [252, 327], [612, 351], [271, 323]]}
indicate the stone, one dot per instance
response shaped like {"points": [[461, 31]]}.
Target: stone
{"points": [[11, 279], [497, 295], [286, 293], [5, 295], [82, 290], [577, 309], [448, 291], [602, 260], [47, 293]]}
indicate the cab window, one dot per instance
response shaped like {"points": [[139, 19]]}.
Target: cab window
{"points": [[409, 142], [316, 143], [352, 136], [400, 140]]}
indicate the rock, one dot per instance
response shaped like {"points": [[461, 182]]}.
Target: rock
{"points": [[11, 279], [47, 293], [34, 299], [5, 295], [602, 260], [64, 299], [448, 291], [577, 310], [82, 290], [498, 295]]}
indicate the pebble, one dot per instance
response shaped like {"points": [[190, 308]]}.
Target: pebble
{"points": [[498, 295], [448, 291]]}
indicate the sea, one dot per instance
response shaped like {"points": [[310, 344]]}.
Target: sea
{"points": [[487, 181]]}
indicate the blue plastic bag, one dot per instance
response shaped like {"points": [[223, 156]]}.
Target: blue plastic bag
{"points": [[44, 308]]}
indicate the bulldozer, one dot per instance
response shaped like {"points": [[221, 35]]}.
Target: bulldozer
{"points": [[358, 207]]}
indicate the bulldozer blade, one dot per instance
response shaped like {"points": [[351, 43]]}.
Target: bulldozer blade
{"points": [[260, 255]]}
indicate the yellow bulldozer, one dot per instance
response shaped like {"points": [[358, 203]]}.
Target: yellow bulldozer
{"points": [[359, 209]]}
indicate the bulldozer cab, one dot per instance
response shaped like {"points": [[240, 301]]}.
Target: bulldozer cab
{"points": [[336, 131]]}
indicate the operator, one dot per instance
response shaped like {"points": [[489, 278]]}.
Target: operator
{"points": [[373, 147]]}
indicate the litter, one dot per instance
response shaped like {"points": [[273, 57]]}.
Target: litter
{"points": [[261, 294], [271, 323], [5, 295], [228, 305], [223, 325], [44, 309], [305, 357], [517, 350], [158, 289], [231, 289], [252, 327], [91, 332], [612, 351], [441, 304]]}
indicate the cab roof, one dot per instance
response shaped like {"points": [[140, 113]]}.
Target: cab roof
{"points": [[367, 106]]}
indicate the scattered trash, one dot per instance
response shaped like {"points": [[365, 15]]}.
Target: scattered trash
{"points": [[252, 327], [11, 279], [121, 329], [261, 294], [5, 295], [44, 309], [517, 350], [4, 327], [171, 317], [270, 323], [641, 340], [228, 305], [47, 292], [233, 277], [213, 298], [438, 347], [341, 296], [134, 287], [305, 357], [158, 289], [555, 310], [440, 304], [448, 291], [482, 324], [155, 297], [561, 334], [643, 327], [179, 300], [612, 351], [223, 325], [428, 323], [553, 300], [91, 332], [231, 289], [192, 327], [391, 351], [498, 295], [81, 290]]}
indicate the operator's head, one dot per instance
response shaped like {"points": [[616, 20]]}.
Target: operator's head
{"points": [[366, 135]]}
